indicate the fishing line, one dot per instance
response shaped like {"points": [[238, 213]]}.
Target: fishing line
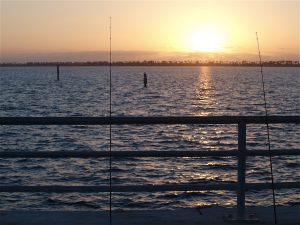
{"points": [[268, 132], [110, 141]]}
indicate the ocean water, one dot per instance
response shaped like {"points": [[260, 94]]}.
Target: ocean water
{"points": [[172, 91]]}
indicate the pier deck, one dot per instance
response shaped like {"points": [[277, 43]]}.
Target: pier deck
{"points": [[287, 215]]}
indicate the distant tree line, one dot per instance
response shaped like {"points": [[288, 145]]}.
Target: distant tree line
{"points": [[288, 63]]}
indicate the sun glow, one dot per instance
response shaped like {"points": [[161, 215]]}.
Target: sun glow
{"points": [[204, 40]]}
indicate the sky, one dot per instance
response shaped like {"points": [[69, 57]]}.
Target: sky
{"points": [[65, 30]]}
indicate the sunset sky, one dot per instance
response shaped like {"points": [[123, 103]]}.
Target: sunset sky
{"points": [[149, 30]]}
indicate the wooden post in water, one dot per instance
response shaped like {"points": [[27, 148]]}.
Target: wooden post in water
{"points": [[145, 80], [57, 72]]}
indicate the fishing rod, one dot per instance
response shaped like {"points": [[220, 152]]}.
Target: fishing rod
{"points": [[110, 141], [268, 131]]}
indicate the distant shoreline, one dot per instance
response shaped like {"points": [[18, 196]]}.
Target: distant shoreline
{"points": [[158, 63]]}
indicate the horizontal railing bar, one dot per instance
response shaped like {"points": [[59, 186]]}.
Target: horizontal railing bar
{"points": [[146, 188], [123, 154], [274, 152], [118, 188], [283, 185], [119, 154], [146, 120]]}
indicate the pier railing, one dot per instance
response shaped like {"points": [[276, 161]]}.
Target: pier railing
{"points": [[241, 153]]}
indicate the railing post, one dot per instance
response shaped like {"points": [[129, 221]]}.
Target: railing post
{"points": [[241, 170], [240, 215]]}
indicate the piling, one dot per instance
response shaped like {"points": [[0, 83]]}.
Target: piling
{"points": [[145, 80], [57, 72]]}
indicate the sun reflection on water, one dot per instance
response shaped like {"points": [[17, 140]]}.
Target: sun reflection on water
{"points": [[204, 90]]}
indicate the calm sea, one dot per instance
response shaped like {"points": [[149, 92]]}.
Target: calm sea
{"points": [[172, 91]]}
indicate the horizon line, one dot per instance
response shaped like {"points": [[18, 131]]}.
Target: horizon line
{"points": [[158, 63]]}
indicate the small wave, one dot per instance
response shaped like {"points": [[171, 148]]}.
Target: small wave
{"points": [[221, 166], [80, 203], [140, 204], [23, 160], [293, 165], [258, 172], [32, 167], [294, 203], [184, 195]]}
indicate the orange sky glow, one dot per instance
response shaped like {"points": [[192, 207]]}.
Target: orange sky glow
{"points": [[149, 30]]}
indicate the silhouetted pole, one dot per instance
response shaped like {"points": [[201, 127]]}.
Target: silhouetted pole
{"points": [[57, 72], [145, 80]]}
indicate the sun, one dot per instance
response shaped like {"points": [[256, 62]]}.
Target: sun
{"points": [[204, 40]]}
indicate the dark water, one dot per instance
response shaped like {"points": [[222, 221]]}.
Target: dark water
{"points": [[172, 91]]}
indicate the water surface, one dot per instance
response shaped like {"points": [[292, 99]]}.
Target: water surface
{"points": [[172, 91]]}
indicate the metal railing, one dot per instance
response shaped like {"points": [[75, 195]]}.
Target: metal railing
{"points": [[241, 153]]}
